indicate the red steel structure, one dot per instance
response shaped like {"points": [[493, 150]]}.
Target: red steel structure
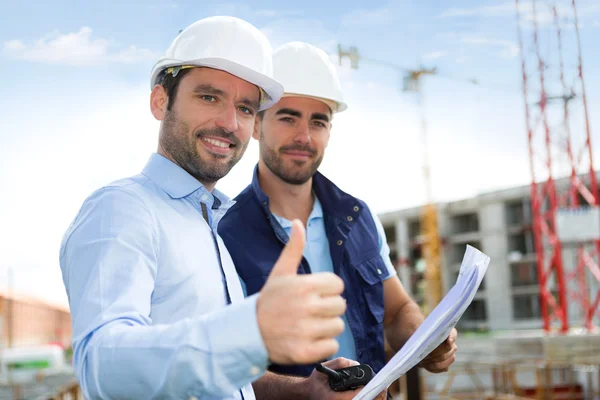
{"points": [[550, 87]]}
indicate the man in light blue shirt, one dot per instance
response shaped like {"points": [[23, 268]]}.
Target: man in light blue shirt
{"points": [[157, 307]]}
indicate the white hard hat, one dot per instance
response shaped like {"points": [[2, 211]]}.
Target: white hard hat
{"points": [[305, 70], [228, 44]]}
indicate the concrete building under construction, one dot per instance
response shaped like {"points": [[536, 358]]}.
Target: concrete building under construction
{"points": [[514, 357], [499, 224]]}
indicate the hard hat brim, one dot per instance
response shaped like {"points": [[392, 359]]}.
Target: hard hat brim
{"points": [[336, 106], [270, 86]]}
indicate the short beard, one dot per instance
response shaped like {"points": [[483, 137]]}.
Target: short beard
{"points": [[273, 161], [176, 140]]}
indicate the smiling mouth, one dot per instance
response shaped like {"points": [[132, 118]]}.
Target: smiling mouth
{"points": [[218, 143]]}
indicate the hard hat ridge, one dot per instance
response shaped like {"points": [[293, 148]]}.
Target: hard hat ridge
{"points": [[305, 70]]}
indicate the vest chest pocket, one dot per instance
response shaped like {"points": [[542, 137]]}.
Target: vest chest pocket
{"points": [[371, 273]]}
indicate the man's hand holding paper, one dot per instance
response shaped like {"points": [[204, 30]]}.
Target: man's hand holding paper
{"points": [[435, 338], [443, 356]]}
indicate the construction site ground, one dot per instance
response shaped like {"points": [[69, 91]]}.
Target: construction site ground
{"points": [[518, 365]]}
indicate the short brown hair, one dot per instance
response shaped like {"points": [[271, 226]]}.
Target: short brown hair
{"points": [[171, 84]]}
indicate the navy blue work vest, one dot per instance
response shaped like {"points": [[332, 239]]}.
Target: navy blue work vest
{"points": [[255, 239]]}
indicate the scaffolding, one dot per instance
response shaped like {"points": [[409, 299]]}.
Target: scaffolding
{"points": [[555, 102]]}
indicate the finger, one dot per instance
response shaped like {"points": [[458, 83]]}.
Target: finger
{"points": [[324, 283], [442, 357], [452, 337], [440, 366], [437, 371], [291, 256], [443, 348], [382, 395], [326, 307], [324, 328], [318, 350], [340, 362]]}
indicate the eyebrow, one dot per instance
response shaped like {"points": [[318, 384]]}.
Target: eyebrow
{"points": [[320, 116], [298, 114], [210, 89], [289, 111], [250, 103]]}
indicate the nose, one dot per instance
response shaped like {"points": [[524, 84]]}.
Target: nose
{"points": [[303, 133], [228, 119]]}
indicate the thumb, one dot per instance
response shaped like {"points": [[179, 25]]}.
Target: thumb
{"points": [[291, 256], [340, 362]]}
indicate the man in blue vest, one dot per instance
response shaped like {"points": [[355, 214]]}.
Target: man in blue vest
{"points": [[342, 235]]}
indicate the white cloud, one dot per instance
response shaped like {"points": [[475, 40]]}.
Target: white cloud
{"points": [[233, 9], [76, 48], [434, 55], [509, 49], [14, 45], [374, 16], [285, 30], [544, 14], [132, 54], [244, 10], [269, 13], [164, 6], [499, 10]]}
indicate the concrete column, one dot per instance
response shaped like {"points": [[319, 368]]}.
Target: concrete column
{"points": [[494, 242]]}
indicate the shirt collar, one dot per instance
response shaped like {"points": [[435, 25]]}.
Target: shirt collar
{"points": [[262, 197], [317, 212], [176, 181]]}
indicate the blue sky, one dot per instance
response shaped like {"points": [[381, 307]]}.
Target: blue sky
{"points": [[75, 103]]}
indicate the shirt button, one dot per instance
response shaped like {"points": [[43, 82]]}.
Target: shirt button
{"points": [[254, 370], [378, 271], [355, 208], [264, 203], [339, 242], [349, 218]]}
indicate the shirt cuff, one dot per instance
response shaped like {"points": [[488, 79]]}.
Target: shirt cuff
{"points": [[236, 340]]}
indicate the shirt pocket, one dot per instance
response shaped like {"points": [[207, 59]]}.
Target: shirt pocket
{"points": [[370, 273]]}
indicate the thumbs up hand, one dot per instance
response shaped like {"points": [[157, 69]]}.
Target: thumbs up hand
{"points": [[299, 316]]}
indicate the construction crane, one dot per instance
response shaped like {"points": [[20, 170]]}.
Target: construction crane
{"points": [[429, 240], [431, 245]]}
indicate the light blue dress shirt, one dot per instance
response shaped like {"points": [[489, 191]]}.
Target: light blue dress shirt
{"points": [[148, 293], [316, 252]]}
